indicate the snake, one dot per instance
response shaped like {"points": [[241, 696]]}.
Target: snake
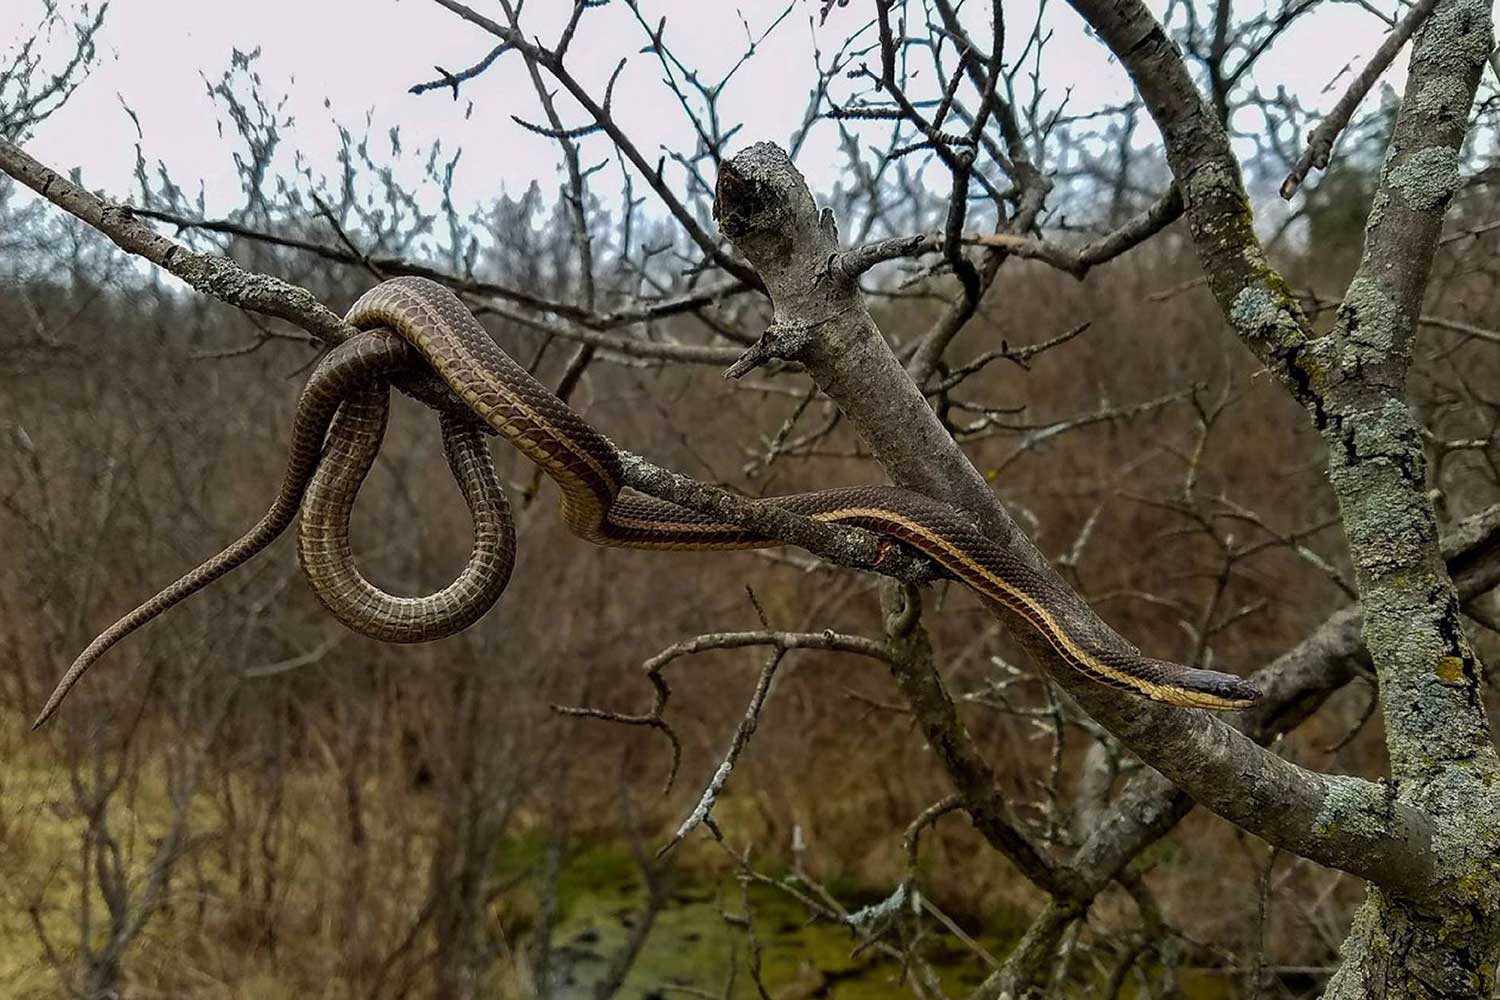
{"points": [[407, 322]]}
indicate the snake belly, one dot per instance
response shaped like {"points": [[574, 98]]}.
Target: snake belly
{"points": [[411, 321]]}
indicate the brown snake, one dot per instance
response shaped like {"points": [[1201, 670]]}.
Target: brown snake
{"points": [[408, 321]]}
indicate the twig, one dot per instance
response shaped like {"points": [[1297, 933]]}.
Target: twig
{"points": [[1320, 143], [447, 79], [742, 733], [210, 274]]}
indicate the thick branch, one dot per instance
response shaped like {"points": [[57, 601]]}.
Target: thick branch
{"points": [[1430, 678], [973, 779], [1292, 687], [843, 545], [1343, 822]]}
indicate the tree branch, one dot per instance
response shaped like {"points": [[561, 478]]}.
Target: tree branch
{"points": [[1254, 296], [1430, 677], [395, 266], [210, 274], [1320, 143]]}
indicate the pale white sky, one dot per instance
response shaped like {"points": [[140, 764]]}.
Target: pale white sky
{"points": [[360, 56]]}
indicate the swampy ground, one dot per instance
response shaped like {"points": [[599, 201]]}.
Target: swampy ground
{"points": [[698, 944]]}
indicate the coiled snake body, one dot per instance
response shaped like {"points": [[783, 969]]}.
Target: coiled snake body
{"points": [[409, 321]]}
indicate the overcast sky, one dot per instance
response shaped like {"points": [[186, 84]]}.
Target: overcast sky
{"points": [[360, 56]]}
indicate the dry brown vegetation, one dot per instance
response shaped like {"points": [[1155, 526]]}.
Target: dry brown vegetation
{"points": [[246, 800]]}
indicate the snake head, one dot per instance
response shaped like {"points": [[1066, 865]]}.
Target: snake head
{"points": [[1218, 691]]}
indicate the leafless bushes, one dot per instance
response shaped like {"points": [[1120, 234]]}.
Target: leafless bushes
{"points": [[255, 797]]}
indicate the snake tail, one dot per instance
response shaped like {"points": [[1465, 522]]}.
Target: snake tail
{"points": [[347, 367]]}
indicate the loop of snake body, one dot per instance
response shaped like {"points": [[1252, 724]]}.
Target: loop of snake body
{"points": [[408, 322]]}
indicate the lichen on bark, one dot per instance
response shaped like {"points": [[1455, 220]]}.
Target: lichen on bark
{"points": [[1427, 179]]}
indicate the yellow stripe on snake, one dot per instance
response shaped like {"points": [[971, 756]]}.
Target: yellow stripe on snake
{"points": [[408, 322]]}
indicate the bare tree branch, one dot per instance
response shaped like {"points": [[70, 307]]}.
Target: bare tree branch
{"points": [[1320, 143]]}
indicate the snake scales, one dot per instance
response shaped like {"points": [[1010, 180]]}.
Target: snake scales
{"points": [[407, 322]]}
